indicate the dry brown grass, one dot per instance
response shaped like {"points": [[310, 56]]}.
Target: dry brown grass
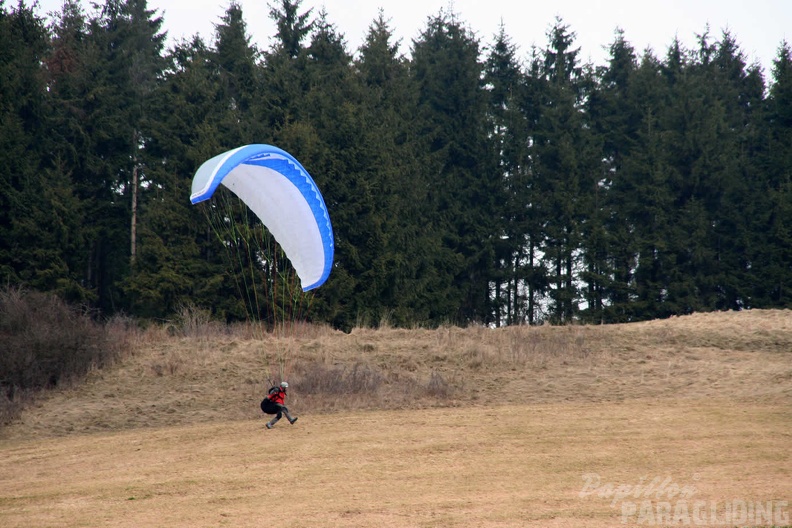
{"points": [[513, 465], [208, 376], [465, 427]]}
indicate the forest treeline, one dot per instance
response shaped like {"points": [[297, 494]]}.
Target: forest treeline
{"points": [[467, 181]]}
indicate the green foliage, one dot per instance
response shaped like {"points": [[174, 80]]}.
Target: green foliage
{"points": [[462, 181], [463, 185], [565, 169], [293, 26]]}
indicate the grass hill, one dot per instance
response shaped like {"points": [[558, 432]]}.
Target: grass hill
{"points": [[524, 426]]}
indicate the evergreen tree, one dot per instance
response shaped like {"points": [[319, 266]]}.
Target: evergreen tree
{"points": [[257, 268], [615, 108], [771, 254], [329, 139], [235, 60], [460, 189], [293, 26], [639, 197], [519, 234], [387, 114], [464, 182], [180, 260], [740, 94], [284, 82], [705, 128], [103, 74], [38, 216], [650, 204], [563, 168]]}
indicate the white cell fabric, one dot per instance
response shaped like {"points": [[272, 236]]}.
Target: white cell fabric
{"points": [[276, 187]]}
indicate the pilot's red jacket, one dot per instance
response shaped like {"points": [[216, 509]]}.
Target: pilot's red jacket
{"points": [[277, 395]]}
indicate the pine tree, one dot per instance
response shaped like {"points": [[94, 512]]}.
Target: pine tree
{"points": [[706, 124], [103, 72], [615, 110], [464, 183], [329, 138], [283, 79], [518, 235], [639, 197], [771, 252], [740, 94], [293, 26], [39, 218], [387, 112], [235, 59], [180, 261], [563, 167]]}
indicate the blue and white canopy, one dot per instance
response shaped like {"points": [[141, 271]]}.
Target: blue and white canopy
{"points": [[276, 187]]}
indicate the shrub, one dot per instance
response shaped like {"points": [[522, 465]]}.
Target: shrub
{"points": [[438, 387], [318, 378], [45, 343]]}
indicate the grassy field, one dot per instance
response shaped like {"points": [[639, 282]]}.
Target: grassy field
{"points": [[679, 422]]}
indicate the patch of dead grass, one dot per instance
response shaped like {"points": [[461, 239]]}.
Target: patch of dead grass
{"points": [[178, 380], [508, 465], [172, 436]]}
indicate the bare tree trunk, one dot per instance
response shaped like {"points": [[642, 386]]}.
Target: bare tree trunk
{"points": [[133, 230], [531, 292]]}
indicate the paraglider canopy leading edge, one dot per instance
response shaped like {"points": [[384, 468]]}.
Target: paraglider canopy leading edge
{"points": [[281, 193]]}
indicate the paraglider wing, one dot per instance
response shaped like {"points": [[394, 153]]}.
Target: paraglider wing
{"points": [[276, 187]]}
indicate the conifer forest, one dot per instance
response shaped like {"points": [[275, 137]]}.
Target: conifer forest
{"points": [[468, 181]]}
